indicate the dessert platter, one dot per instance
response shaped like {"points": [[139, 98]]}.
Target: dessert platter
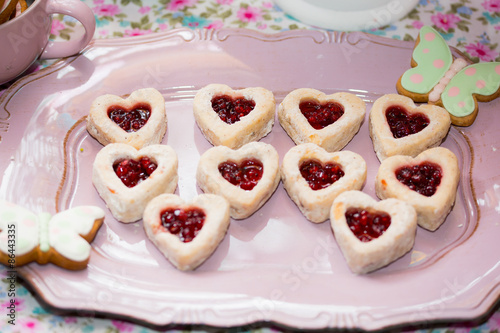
{"points": [[268, 259]]}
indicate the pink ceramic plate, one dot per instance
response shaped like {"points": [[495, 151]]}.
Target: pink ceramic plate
{"points": [[275, 266]]}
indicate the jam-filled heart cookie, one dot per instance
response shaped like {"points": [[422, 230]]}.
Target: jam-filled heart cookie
{"points": [[330, 121], [428, 182], [233, 118], [187, 233], [437, 78], [399, 127], [314, 177], [371, 234], [246, 177], [127, 178], [138, 120], [62, 239]]}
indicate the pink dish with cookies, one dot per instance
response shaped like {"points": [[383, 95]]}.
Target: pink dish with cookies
{"points": [[220, 193]]}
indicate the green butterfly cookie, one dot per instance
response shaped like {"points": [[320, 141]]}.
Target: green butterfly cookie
{"points": [[437, 78]]}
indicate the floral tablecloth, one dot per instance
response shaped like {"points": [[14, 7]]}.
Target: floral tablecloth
{"points": [[473, 26]]}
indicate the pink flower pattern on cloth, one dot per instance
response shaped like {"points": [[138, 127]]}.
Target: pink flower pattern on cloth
{"points": [[474, 28]]}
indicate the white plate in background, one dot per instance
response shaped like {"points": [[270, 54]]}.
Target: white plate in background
{"points": [[352, 15]]}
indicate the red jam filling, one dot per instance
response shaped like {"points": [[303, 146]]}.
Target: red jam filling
{"points": [[423, 178], [231, 110], [367, 224], [402, 123], [130, 120], [185, 223], [321, 115], [319, 176], [245, 175], [132, 172]]}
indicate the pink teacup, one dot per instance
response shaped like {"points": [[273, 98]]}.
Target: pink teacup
{"points": [[25, 38]]}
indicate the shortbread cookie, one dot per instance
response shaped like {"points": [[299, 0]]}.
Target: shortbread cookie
{"points": [[313, 178], [370, 233], [62, 239], [437, 78], [233, 118], [127, 178], [187, 233], [246, 177], [138, 120], [428, 182], [330, 121], [399, 127]]}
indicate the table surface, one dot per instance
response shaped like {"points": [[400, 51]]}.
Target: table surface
{"points": [[472, 26]]}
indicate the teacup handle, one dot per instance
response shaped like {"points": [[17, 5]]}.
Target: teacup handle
{"points": [[81, 12]]}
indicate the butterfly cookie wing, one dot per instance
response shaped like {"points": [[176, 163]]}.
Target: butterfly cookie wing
{"points": [[19, 234], [69, 235], [477, 82], [430, 60]]}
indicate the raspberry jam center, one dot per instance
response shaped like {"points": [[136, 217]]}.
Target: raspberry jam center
{"points": [[185, 223], [402, 123], [319, 176], [367, 224], [245, 175], [423, 178], [130, 120], [231, 110], [132, 172], [321, 115]]}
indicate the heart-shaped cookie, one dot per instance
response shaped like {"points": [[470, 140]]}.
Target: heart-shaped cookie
{"points": [[187, 233], [428, 182], [314, 177], [246, 177], [399, 127], [138, 120], [330, 121], [127, 178], [371, 234], [233, 118]]}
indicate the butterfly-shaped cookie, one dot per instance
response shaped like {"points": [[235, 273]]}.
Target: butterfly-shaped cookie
{"points": [[62, 239], [437, 78]]}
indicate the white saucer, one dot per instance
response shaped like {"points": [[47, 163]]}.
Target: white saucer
{"points": [[347, 15]]}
